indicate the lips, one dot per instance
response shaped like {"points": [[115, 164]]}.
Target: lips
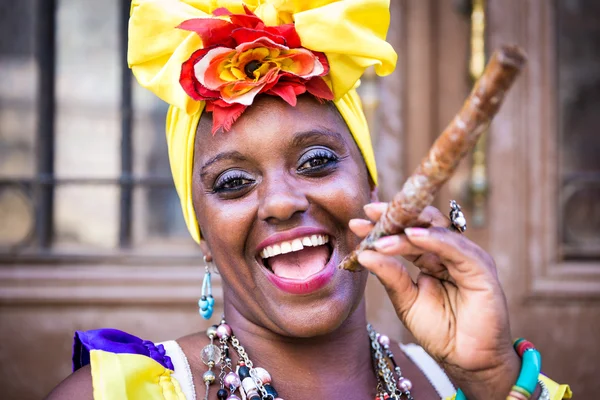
{"points": [[298, 261]]}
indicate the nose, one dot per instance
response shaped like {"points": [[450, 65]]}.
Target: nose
{"points": [[281, 199]]}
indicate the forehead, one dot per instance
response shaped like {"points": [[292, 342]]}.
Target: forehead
{"points": [[269, 120]]}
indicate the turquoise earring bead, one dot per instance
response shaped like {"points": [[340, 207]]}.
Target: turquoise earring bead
{"points": [[206, 306], [203, 304]]}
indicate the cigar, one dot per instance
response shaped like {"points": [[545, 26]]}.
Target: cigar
{"points": [[451, 146]]}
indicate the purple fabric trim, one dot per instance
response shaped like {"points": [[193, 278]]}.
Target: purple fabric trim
{"points": [[115, 341]]}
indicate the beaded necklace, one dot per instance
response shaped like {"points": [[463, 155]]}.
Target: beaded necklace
{"points": [[255, 383]]}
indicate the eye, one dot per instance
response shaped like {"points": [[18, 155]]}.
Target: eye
{"points": [[316, 160], [232, 181]]}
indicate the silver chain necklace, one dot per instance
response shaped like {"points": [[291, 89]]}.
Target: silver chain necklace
{"points": [[255, 383]]}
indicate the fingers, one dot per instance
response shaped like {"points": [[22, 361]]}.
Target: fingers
{"points": [[374, 211], [430, 216], [429, 262], [394, 277], [463, 259], [440, 253], [360, 227], [399, 245]]}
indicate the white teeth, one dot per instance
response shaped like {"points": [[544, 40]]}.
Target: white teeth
{"points": [[294, 245], [276, 250], [297, 245], [315, 240], [286, 247]]}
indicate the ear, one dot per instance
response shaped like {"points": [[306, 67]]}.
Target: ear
{"points": [[205, 250]]}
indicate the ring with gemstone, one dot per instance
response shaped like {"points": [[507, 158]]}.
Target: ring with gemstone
{"points": [[457, 218]]}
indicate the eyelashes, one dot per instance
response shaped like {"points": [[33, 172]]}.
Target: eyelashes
{"points": [[315, 162], [232, 180]]}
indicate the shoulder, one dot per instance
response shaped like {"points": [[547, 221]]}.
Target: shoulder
{"points": [[189, 345], [78, 386]]}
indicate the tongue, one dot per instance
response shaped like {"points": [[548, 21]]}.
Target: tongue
{"points": [[300, 264]]}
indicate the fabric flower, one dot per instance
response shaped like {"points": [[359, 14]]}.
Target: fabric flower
{"points": [[242, 58]]}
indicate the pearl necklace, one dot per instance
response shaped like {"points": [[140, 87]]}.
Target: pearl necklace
{"points": [[255, 383]]}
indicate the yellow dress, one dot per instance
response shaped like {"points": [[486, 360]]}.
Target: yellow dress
{"points": [[126, 367]]}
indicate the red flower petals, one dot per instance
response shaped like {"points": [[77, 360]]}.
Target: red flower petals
{"points": [[222, 11], [190, 84], [224, 115], [289, 33], [242, 58], [319, 88], [247, 21], [288, 91], [212, 31], [245, 35]]}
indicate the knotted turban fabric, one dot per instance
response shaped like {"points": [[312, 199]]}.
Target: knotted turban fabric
{"points": [[351, 33]]}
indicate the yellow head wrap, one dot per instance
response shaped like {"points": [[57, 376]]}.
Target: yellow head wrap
{"points": [[351, 33]]}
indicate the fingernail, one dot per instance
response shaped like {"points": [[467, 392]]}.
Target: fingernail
{"points": [[362, 257], [385, 242], [375, 206], [416, 232], [359, 222]]}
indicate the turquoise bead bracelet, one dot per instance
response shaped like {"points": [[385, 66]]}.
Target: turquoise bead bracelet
{"points": [[530, 370], [531, 366], [460, 395]]}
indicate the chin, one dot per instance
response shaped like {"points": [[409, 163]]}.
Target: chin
{"points": [[320, 315]]}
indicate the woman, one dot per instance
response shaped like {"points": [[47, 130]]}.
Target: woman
{"points": [[273, 163]]}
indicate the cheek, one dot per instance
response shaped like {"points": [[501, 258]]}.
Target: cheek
{"points": [[345, 197], [225, 228], [345, 200], [223, 225], [356, 188]]}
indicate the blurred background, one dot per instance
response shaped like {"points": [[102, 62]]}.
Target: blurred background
{"points": [[91, 233]]}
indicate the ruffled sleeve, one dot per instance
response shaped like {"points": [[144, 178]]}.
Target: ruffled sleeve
{"points": [[557, 391], [124, 366], [131, 377], [115, 341]]}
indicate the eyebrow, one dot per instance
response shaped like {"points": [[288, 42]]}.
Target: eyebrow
{"points": [[305, 137], [228, 155]]}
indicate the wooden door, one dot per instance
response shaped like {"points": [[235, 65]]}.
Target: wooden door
{"points": [[543, 178], [541, 216]]}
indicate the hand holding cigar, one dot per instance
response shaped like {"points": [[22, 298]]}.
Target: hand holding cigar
{"points": [[452, 145]]}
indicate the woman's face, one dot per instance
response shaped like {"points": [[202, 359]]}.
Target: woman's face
{"points": [[273, 197]]}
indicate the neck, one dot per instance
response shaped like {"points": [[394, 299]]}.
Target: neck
{"points": [[344, 352]]}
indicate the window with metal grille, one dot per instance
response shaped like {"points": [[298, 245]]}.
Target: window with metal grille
{"points": [[578, 62], [84, 173]]}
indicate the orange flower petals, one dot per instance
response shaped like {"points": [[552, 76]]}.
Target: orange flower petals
{"points": [[246, 58]]}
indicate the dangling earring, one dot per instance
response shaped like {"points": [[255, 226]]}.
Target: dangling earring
{"points": [[206, 302]]}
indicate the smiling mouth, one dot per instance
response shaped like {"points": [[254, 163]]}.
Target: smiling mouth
{"points": [[297, 259]]}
